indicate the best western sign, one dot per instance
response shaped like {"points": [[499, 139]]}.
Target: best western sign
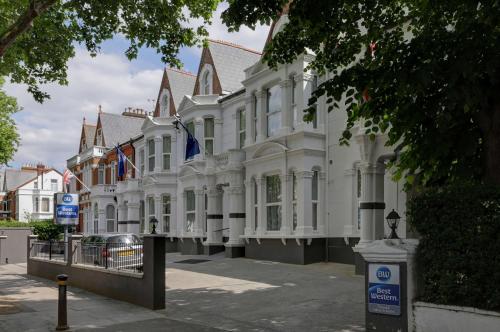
{"points": [[66, 209], [384, 294]]}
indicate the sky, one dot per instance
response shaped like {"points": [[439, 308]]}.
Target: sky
{"points": [[50, 132]]}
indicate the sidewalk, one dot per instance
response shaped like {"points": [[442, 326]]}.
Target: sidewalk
{"points": [[30, 304]]}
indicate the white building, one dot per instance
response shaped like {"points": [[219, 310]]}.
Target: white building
{"points": [[266, 184], [28, 193]]}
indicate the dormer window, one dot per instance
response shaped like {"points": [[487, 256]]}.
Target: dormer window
{"points": [[165, 103], [206, 81], [99, 137]]}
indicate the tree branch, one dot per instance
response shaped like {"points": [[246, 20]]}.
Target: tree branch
{"points": [[23, 23]]}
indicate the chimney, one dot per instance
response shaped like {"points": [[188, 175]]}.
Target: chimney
{"points": [[134, 112]]}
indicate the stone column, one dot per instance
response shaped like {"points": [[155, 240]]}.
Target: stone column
{"points": [[249, 207], [200, 212], [218, 135], [304, 206], [261, 209], [286, 115], [249, 129], [261, 115], [235, 246], [286, 205], [214, 243], [158, 154], [134, 221]]}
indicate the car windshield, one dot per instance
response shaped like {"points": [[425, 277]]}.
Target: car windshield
{"points": [[128, 239]]}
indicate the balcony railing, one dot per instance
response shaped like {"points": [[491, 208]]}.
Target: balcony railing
{"points": [[103, 189], [95, 151]]}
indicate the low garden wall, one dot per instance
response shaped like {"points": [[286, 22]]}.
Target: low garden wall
{"points": [[445, 318], [12, 248], [146, 289]]}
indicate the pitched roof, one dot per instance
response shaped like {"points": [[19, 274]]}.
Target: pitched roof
{"points": [[117, 128], [181, 84], [16, 177], [230, 61]]}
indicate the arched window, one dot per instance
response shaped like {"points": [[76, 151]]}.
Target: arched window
{"points": [[206, 80], [165, 104], [110, 218]]}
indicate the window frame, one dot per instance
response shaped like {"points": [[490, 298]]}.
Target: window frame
{"points": [[165, 104], [168, 154], [206, 88], [45, 201], [151, 155], [207, 139], [271, 114], [241, 127], [150, 202], [166, 212], [256, 203], [112, 173], [108, 219], [189, 227], [271, 205], [101, 173], [56, 183]]}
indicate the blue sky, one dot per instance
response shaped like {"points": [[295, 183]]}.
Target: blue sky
{"points": [[50, 132]]}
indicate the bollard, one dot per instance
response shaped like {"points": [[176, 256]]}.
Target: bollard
{"points": [[62, 310]]}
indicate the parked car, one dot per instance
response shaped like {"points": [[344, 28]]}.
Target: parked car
{"points": [[112, 250]]}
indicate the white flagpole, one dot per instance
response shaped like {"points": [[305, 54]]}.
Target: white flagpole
{"points": [[77, 179], [126, 158]]}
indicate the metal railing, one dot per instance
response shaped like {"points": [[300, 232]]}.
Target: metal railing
{"points": [[51, 250], [117, 256]]}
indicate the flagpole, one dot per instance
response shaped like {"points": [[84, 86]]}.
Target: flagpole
{"points": [[126, 158], [77, 179]]}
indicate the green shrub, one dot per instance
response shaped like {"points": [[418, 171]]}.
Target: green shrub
{"points": [[47, 230], [13, 223], [458, 259]]}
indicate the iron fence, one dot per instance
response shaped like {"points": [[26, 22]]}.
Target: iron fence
{"points": [[117, 256], [51, 250]]}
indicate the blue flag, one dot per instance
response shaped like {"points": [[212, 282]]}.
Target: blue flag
{"points": [[192, 145], [121, 161]]}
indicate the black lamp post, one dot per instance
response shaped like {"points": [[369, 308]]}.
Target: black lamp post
{"points": [[153, 221], [393, 222]]}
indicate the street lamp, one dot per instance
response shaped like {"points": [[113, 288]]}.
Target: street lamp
{"points": [[153, 221], [393, 221]]}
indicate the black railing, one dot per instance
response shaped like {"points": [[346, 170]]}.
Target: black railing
{"points": [[117, 256], [51, 250]]}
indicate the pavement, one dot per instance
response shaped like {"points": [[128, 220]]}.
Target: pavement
{"points": [[216, 295]]}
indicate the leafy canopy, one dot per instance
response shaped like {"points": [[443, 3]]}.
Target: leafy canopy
{"points": [[9, 138], [428, 72], [38, 37]]}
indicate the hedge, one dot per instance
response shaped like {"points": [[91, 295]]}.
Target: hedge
{"points": [[458, 258]]}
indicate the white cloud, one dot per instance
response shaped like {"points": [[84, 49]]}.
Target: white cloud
{"points": [[50, 131]]}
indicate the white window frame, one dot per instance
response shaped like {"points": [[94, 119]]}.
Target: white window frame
{"points": [[151, 154], [293, 101], [113, 172], [54, 185], [110, 220], [142, 216], [273, 113], [35, 184], [190, 213], [101, 174], [241, 128], [272, 204], [209, 140], [166, 154], [206, 81], [150, 200], [45, 201], [314, 86], [166, 209]]}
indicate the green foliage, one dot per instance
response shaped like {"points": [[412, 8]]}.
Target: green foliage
{"points": [[457, 257], [14, 223], [40, 54], [431, 84], [47, 230], [9, 138]]}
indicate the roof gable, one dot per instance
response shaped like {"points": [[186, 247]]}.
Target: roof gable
{"points": [[178, 83], [87, 135]]}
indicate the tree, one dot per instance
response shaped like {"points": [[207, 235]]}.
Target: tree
{"points": [[9, 138], [426, 73], [37, 37]]}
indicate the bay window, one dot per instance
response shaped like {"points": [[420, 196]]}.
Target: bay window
{"points": [[273, 202]]}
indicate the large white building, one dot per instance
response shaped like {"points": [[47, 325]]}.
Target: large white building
{"points": [[266, 184]]}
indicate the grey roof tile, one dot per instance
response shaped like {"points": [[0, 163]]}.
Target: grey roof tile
{"points": [[15, 177], [181, 84], [118, 129], [89, 134], [230, 61]]}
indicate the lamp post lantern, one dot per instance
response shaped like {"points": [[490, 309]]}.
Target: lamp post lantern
{"points": [[393, 222], [153, 222]]}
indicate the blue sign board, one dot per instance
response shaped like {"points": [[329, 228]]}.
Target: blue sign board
{"points": [[66, 209], [384, 293]]}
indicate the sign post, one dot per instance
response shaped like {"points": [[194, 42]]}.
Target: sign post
{"points": [[384, 289], [66, 213]]}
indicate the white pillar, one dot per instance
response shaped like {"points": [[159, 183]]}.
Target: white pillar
{"points": [[158, 212], [218, 135], [261, 115], [200, 212], [214, 215], [182, 214], [174, 225], [286, 205], [249, 207], [134, 216], [236, 215], [261, 210], [249, 129], [304, 205], [174, 153], [158, 153], [286, 115], [122, 214], [322, 210], [198, 134], [102, 221]]}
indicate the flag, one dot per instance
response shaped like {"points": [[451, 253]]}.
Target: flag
{"points": [[67, 175], [121, 161], [192, 146]]}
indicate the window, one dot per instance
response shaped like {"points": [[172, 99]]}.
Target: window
{"points": [[45, 204], [254, 117], [142, 215], [96, 219], [190, 210], [151, 155], [151, 209], [113, 172], [100, 174], [273, 111], [35, 185], [256, 203], [241, 127], [36, 205], [206, 83], [294, 200], [314, 199], [99, 137], [54, 185], [166, 152], [141, 160], [165, 104], [110, 218], [209, 136], [273, 202], [166, 213]]}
